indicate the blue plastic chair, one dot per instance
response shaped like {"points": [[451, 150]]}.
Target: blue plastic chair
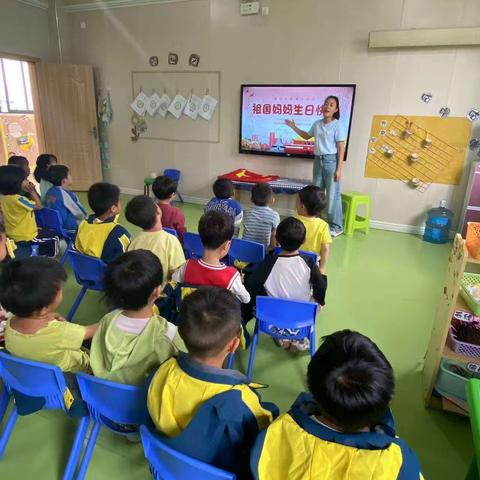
{"points": [[108, 404], [175, 175], [171, 231], [49, 219], [192, 245], [89, 272], [38, 381], [277, 251], [4, 401], [283, 313], [246, 251], [168, 464]]}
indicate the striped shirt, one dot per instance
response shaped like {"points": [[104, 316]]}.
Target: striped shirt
{"points": [[258, 224]]}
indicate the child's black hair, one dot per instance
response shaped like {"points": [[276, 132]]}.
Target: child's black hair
{"points": [[29, 284], [215, 228], [11, 178], [19, 160], [131, 278], [223, 188], [262, 194], [43, 162], [142, 212], [102, 196], [163, 187], [291, 234], [337, 113], [351, 380], [209, 318], [56, 174], [313, 199]]}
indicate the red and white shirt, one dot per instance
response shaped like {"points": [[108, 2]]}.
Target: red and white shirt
{"points": [[198, 272]]}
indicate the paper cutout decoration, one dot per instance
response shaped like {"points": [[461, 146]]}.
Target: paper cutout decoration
{"points": [[194, 60], [474, 143], [444, 112], [153, 61], [172, 58], [426, 97], [165, 101], [473, 114], [192, 107], [153, 104], [207, 108], [139, 105], [177, 105]]}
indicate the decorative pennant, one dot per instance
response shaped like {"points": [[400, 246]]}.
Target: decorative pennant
{"points": [[444, 112], [165, 101], [207, 108], [426, 97], [153, 104], [473, 114], [193, 106], [177, 105], [139, 105], [474, 143]]}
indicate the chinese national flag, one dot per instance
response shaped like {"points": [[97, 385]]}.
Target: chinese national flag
{"points": [[243, 175]]}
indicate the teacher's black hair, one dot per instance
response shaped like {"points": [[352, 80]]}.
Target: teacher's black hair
{"points": [[337, 113]]}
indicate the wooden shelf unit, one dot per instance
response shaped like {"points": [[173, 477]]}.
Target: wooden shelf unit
{"points": [[450, 300]]}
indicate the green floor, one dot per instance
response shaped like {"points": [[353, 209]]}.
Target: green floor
{"points": [[384, 285]]}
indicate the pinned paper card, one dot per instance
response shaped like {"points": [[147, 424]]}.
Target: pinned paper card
{"points": [[193, 106], [177, 105], [153, 104], [139, 105], [165, 101], [207, 108]]}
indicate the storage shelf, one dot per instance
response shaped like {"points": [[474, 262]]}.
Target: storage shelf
{"points": [[461, 305], [473, 260]]}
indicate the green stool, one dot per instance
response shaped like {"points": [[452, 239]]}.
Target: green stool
{"points": [[473, 398], [352, 221], [147, 183]]}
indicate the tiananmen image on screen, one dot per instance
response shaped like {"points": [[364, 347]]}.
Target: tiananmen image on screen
{"points": [[266, 107]]}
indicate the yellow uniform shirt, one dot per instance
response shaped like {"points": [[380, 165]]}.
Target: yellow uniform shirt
{"points": [[19, 218], [59, 343], [165, 246], [318, 233]]}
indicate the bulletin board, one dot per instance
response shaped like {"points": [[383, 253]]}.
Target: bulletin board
{"points": [[440, 162], [184, 82]]}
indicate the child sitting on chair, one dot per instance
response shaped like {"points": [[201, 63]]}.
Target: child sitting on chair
{"points": [[132, 341], [19, 217], [260, 222], [32, 289], [64, 201], [223, 202], [288, 275], [310, 204], [206, 411], [216, 232], [343, 428], [44, 161], [143, 212], [165, 191], [100, 235]]}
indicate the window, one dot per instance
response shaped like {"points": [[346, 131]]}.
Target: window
{"points": [[15, 88]]}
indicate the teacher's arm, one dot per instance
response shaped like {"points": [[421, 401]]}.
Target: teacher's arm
{"points": [[341, 158], [291, 123]]}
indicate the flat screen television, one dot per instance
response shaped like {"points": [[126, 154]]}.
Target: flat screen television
{"points": [[266, 107]]}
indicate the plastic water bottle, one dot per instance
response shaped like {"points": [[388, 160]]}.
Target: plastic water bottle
{"points": [[438, 224]]}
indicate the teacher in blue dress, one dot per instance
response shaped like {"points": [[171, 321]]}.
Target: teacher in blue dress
{"points": [[329, 156]]}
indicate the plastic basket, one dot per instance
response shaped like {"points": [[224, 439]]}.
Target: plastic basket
{"points": [[469, 280], [450, 383], [473, 239], [463, 348]]}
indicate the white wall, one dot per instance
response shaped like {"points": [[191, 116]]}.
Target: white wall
{"points": [[305, 41], [24, 29]]}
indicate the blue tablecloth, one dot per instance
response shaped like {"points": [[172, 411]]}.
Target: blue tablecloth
{"points": [[281, 185]]}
